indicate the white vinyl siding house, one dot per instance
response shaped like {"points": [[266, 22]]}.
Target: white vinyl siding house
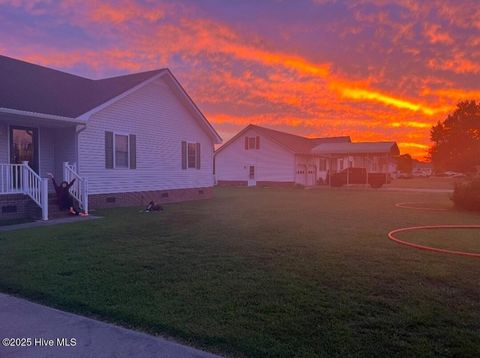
{"points": [[270, 162], [263, 156], [160, 122]]}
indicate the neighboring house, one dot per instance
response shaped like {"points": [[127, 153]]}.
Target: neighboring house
{"points": [[262, 156], [127, 140]]}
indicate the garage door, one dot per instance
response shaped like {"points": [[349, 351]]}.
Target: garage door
{"points": [[311, 175], [301, 175]]}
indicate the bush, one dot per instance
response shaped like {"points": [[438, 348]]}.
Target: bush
{"points": [[467, 194]]}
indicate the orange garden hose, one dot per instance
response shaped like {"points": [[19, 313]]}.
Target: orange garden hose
{"points": [[408, 205], [391, 236]]}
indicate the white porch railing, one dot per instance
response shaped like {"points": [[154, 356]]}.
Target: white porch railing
{"points": [[21, 179], [79, 189]]}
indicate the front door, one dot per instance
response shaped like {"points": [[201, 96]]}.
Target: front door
{"points": [[24, 146], [251, 176]]}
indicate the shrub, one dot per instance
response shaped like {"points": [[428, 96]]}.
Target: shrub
{"points": [[466, 195]]}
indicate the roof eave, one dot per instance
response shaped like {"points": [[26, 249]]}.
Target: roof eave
{"points": [[53, 117]]}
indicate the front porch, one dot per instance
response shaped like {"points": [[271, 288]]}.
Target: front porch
{"points": [[30, 148]]}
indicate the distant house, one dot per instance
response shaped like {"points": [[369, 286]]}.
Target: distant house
{"points": [[262, 156], [126, 140]]}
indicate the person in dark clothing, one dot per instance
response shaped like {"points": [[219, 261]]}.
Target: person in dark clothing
{"points": [[152, 206], [64, 198]]}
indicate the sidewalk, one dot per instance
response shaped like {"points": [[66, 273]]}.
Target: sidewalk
{"points": [[40, 223], [23, 319]]}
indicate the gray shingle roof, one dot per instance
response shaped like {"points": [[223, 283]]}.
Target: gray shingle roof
{"points": [[29, 87], [297, 143], [358, 147]]}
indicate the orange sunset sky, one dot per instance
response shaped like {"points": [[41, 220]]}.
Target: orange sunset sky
{"points": [[371, 69]]}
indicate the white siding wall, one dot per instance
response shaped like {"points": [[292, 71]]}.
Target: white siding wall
{"points": [[272, 162], [160, 122], [47, 155], [65, 148]]}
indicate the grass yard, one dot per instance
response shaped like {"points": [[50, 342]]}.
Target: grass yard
{"points": [[263, 272]]}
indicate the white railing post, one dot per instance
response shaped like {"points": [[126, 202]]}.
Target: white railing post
{"points": [[44, 198], [85, 195], [23, 180]]}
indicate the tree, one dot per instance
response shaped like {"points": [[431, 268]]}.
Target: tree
{"points": [[405, 164], [456, 140]]}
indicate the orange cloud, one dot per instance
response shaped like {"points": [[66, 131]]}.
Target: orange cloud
{"points": [[120, 13], [457, 64], [411, 124], [241, 79], [356, 93], [436, 35]]}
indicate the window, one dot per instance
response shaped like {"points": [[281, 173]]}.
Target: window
{"points": [[192, 155], [121, 151], [322, 165], [252, 143]]}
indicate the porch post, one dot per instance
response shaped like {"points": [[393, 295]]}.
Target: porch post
{"points": [[65, 174], [44, 198], [24, 177]]}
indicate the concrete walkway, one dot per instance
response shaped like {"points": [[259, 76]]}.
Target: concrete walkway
{"points": [[23, 319], [41, 223], [417, 190]]}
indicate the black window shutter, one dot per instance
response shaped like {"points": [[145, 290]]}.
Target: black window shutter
{"points": [[198, 154], [109, 150], [133, 151], [257, 143], [246, 142], [184, 155]]}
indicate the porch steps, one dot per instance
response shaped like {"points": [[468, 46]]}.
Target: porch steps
{"points": [[53, 210]]}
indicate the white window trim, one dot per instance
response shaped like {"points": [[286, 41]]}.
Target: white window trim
{"points": [[186, 154], [115, 149]]}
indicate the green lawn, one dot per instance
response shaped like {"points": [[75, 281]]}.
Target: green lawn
{"points": [[263, 272]]}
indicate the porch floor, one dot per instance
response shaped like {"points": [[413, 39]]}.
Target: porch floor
{"points": [[41, 223]]}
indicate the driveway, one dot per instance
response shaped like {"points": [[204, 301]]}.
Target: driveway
{"points": [[46, 332]]}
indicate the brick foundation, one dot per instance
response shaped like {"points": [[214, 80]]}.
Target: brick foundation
{"points": [[18, 206], [276, 184], [142, 198], [232, 183], [282, 184]]}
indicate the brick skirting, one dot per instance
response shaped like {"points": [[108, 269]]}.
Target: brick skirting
{"points": [[276, 184], [18, 206], [232, 183], [258, 183], [142, 198]]}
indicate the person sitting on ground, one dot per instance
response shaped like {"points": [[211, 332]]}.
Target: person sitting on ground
{"points": [[64, 198]]}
